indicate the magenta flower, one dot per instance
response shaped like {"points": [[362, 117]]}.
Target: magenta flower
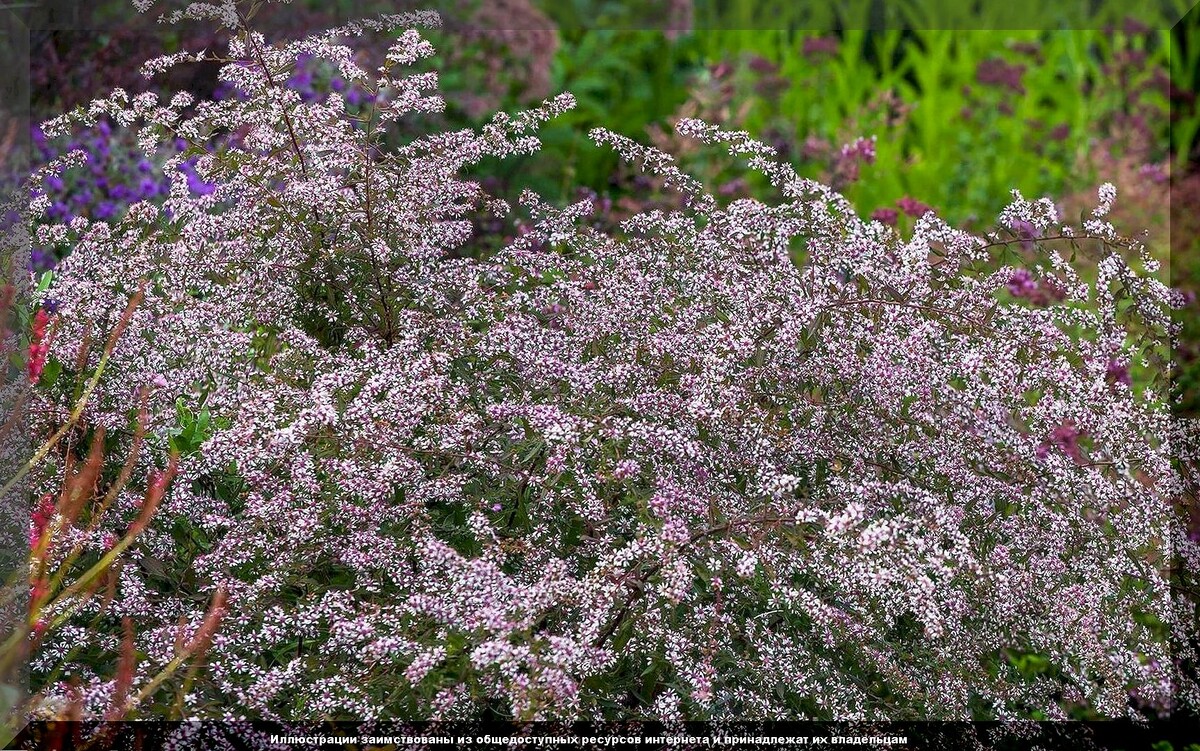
{"points": [[1154, 173], [1118, 372], [1065, 438], [861, 148], [885, 215], [913, 207], [817, 47], [1022, 283], [1025, 231], [996, 72]]}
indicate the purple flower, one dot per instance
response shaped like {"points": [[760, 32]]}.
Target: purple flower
{"points": [[55, 183], [1134, 27], [1022, 283], [41, 259], [301, 81], [732, 187], [106, 210], [198, 186], [147, 188], [815, 47], [762, 65], [1065, 438], [996, 72], [1154, 173], [1116, 372], [913, 207], [860, 148], [1025, 231], [885, 215]]}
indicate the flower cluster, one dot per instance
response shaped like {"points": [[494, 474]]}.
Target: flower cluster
{"points": [[1022, 284], [114, 177], [908, 205], [660, 470]]}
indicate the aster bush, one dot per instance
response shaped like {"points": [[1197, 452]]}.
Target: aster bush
{"points": [[733, 459]]}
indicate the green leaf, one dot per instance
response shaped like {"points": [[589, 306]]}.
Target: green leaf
{"points": [[44, 281], [50, 372]]}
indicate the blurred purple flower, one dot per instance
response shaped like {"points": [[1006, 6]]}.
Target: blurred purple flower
{"points": [[199, 186], [41, 260], [1025, 231], [913, 207], [733, 187], [860, 148], [147, 188], [1066, 438], [762, 65], [815, 47], [1116, 372], [1022, 283], [814, 148], [1154, 173], [58, 210], [886, 215], [996, 72]]}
